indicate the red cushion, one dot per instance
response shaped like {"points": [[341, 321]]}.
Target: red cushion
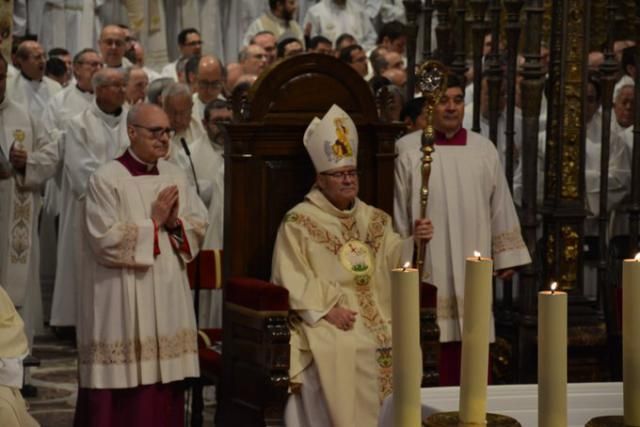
{"points": [[256, 294]]}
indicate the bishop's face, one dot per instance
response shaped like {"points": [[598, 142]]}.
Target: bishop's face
{"points": [[449, 111], [150, 135], [340, 186]]}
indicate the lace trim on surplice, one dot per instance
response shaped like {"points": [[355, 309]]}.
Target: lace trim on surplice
{"points": [[508, 241], [131, 351]]}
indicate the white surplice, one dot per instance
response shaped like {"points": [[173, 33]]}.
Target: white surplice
{"points": [[19, 210], [330, 20], [138, 325], [32, 94], [92, 139], [471, 210]]}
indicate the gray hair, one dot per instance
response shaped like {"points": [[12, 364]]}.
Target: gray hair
{"points": [[136, 110], [155, 89], [243, 55], [102, 77], [175, 89], [79, 55]]}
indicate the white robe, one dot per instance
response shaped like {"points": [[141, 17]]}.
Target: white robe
{"points": [[210, 173], [33, 95], [170, 70], [92, 139], [238, 15], [471, 210], [71, 24], [67, 103], [137, 322], [329, 20], [19, 210], [148, 20], [269, 22]]}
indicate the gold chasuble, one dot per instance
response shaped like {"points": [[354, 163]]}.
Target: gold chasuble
{"points": [[327, 257]]}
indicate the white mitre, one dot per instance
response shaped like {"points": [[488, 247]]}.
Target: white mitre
{"points": [[333, 141]]}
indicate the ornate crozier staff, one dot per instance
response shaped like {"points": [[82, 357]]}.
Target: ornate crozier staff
{"points": [[432, 82]]}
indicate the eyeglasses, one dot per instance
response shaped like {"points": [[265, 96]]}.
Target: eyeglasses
{"points": [[194, 43], [341, 175], [158, 132], [210, 84]]}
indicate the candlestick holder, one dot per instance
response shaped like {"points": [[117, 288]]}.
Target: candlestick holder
{"points": [[606, 421], [452, 419]]}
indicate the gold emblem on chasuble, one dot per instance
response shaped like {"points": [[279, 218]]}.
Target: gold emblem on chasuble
{"points": [[356, 257]]}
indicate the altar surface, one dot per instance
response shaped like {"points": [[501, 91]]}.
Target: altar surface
{"points": [[585, 401]]}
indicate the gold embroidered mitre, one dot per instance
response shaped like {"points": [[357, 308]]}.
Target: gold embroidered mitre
{"points": [[333, 141]]}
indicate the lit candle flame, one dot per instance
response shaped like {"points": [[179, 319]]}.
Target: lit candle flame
{"points": [[406, 265], [637, 257], [477, 255], [554, 286]]}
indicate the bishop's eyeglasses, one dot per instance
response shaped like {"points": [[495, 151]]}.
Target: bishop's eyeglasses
{"points": [[353, 173], [157, 132]]}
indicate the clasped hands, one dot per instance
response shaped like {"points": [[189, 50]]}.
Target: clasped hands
{"points": [[164, 210], [341, 318]]}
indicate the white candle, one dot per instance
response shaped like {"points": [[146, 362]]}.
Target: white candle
{"points": [[475, 339], [407, 357], [552, 358], [631, 340]]}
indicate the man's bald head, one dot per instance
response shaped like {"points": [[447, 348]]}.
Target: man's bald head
{"points": [[31, 59], [112, 45], [209, 78], [148, 130]]}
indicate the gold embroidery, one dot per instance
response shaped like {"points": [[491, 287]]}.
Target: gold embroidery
{"points": [[374, 322], [349, 229], [20, 229], [323, 237], [385, 376], [447, 308], [149, 348], [369, 312], [508, 241], [128, 243], [375, 233]]}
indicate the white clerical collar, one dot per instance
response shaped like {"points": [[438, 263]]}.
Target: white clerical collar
{"points": [[149, 166], [110, 119]]}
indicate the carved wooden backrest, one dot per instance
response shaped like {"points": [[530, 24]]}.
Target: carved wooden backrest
{"points": [[267, 167]]}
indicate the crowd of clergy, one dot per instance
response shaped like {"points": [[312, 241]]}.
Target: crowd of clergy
{"points": [[67, 111]]}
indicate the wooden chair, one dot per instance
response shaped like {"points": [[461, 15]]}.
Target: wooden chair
{"points": [[258, 311], [267, 171]]}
